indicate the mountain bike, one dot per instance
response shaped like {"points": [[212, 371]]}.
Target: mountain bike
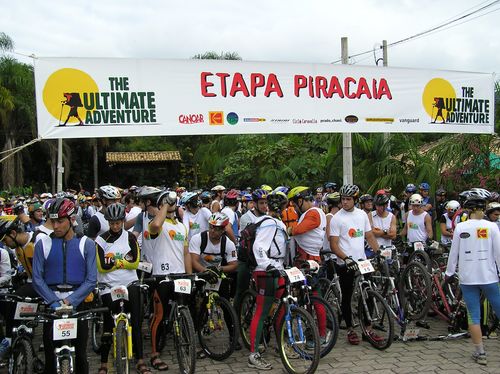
{"points": [[294, 330]]}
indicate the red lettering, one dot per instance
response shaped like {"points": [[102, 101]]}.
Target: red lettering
{"points": [[239, 85], [363, 89], [300, 81], [335, 87], [321, 84], [205, 84], [256, 80], [273, 85], [383, 89], [347, 82], [223, 76], [311, 86]]}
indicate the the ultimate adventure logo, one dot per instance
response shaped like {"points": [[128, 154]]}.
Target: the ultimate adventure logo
{"points": [[444, 106], [73, 97]]}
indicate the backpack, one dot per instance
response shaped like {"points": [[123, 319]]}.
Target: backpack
{"points": [[247, 238], [204, 242]]}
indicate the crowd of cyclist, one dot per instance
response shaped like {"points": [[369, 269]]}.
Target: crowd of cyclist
{"points": [[59, 246]]}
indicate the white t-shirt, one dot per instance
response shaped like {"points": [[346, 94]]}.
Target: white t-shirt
{"points": [[269, 246], [476, 249], [382, 223], [351, 228], [212, 254], [196, 223]]}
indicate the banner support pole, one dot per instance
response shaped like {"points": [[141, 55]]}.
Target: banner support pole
{"points": [[346, 137], [60, 168]]}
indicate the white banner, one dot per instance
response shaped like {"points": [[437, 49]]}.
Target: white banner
{"points": [[83, 98]]}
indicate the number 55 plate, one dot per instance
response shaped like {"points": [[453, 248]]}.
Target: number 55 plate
{"points": [[65, 328]]}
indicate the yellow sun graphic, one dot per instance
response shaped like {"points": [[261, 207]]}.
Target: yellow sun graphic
{"points": [[64, 81], [435, 90]]}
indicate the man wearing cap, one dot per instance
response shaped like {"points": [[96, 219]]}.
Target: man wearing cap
{"points": [[35, 212], [219, 192]]}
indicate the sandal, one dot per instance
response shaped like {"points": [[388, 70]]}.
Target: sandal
{"points": [[352, 338], [158, 364], [143, 369]]}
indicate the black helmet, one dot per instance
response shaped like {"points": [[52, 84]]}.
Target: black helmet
{"points": [[115, 212], [7, 226], [331, 185], [276, 201], [381, 199], [148, 193], [366, 197]]}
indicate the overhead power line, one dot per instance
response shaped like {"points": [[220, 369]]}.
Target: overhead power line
{"points": [[441, 27]]}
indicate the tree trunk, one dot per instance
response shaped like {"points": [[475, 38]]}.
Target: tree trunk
{"points": [[8, 165]]}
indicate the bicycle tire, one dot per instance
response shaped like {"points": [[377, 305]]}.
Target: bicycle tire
{"points": [[22, 357], [416, 290], [122, 363], [217, 337], [65, 365], [330, 294], [185, 341], [380, 319], [296, 358], [332, 324], [245, 315], [423, 258], [453, 293], [380, 277], [96, 330]]}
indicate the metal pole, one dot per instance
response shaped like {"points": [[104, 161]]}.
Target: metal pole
{"points": [[384, 55], [346, 138], [60, 168]]}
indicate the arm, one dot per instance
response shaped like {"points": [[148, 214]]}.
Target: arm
{"points": [[187, 260], [131, 258], [130, 223], [90, 281], [453, 255], [372, 241], [5, 275], [444, 230], [404, 231], [137, 231], [39, 284], [157, 222], [103, 266], [310, 221], [94, 227], [263, 240], [335, 247], [428, 226], [195, 263], [230, 233], [391, 234]]}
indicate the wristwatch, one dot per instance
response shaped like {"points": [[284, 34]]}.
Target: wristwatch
{"points": [[385, 232]]}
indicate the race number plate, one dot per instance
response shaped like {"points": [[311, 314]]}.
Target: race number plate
{"points": [[182, 286], [213, 287], [145, 267], [25, 308], [119, 293], [295, 275], [65, 328], [387, 253], [418, 246], [365, 267]]}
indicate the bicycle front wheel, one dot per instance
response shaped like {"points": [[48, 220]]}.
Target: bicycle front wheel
{"points": [[65, 365], [96, 330], [416, 290], [185, 341], [246, 313], [376, 320], [122, 363], [22, 357], [217, 333], [298, 342]]}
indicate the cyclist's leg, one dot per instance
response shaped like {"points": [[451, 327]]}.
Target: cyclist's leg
{"points": [[136, 314], [346, 280], [320, 313], [107, 329], [48, 344], [265, 296], [492, 293], [81, 360], [161, 296], [472, 295], [242, 281]]}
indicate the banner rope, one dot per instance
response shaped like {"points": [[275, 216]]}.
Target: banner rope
{"points": [[17, 149]]}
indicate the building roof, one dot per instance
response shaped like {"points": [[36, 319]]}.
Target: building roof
{"points": [[129, 157]]}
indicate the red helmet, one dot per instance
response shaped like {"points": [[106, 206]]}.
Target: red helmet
{"points": [[61, 208], [232, 195]]}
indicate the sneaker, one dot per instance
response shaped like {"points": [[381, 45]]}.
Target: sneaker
{"points": [[373, 336], [480, 358], [4, 348], [256, 361], [352, 338], [322, 341]]}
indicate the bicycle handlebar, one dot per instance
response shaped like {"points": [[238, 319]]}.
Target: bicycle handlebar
{"points": [[57, 314], [27, 299]]}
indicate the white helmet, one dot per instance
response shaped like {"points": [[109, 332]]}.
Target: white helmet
{"points": [[452, 206], [485, 194], [109, 192], [416, 199], [218, 188]]}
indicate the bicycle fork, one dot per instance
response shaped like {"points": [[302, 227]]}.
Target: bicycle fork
{"points": [[288, 321]]}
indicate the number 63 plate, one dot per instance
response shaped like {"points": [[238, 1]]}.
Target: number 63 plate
{"points": [[65, 328]]}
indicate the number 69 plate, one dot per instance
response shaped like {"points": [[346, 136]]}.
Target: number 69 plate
{"points": [[65, 328]]}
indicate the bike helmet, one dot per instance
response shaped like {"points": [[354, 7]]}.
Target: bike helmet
{"points": [[266, 188], [165, 196], [381, 199], [115, 212], [246, 197], [109, 192], [452, 206], [219, 188], [494, 197], [148, 193], [190, 198], [61, 208], [260, 194], [276, 201], [424, 186], [7, 226], [485, 194], [380, 192], [441, 192], [231, 195], [416, 199], [462, 196], [34, 207], [349, 190], [475, 201], [300, 192], [218, 219], [205, 196], [366, 197], [331, 185], [333, 198], [283, 189], [492, 207], [411, 188]]}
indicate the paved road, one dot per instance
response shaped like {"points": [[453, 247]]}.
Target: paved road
{"points": [[450, 356]]}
